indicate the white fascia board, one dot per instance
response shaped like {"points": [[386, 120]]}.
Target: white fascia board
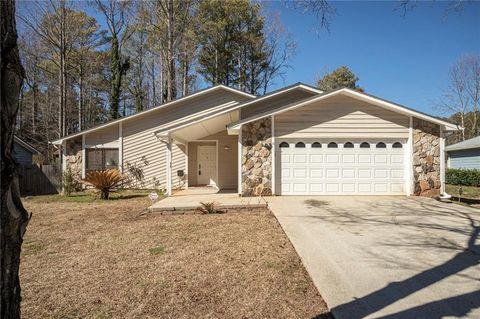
{"points": [[354, 94], [182, 99]]}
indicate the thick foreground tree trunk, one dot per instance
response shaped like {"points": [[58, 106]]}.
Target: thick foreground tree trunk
{"points": [[13, 217]]}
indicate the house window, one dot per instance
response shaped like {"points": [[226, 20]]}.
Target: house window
{"points": [[316, 144], [284, 144], [300, 145], [381, 145], [364, 145], [348, 145], [397, 145], [332, 145], [101, 159]]}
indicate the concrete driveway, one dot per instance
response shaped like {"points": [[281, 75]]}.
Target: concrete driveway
{"points": [[387, 257]]}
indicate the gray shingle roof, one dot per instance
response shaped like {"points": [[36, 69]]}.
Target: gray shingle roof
{"points": [[465, 145]]}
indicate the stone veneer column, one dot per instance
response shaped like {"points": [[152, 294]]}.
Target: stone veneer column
{"points": [[74, 156], [426, 158], [257, 158]]}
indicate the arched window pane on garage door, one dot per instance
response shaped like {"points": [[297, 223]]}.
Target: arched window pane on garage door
{"points": [[284, 144], [300, 145], [381, 145], [364, 145], [332, 145], [348, 145], [397, 145], [316, 145]]}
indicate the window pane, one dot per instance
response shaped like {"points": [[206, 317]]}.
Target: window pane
{"points": [[381, 145], [332, 145], [284, 144], [348, 145], [94, 159], [364, 145], [316, 144], [300, 145], [397, 145], [111, 158]]}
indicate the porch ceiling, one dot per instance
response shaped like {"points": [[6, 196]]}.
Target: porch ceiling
{"points": [[204, 127]]}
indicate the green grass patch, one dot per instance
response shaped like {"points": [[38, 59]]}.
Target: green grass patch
{"points": [[30, 248], [468, 191], [89, 196], [159, 250]]}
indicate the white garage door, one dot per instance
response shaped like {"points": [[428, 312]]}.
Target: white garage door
{"points": [[362, 167]]}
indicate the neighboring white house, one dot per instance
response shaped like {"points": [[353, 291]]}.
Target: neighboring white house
{"points": [[465, 154], [295, 141]]}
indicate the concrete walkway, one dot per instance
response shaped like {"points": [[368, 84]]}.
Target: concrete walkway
{"points": [[191, 198], [387, 257]]}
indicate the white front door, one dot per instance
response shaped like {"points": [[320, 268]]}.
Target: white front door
{"points": [[341, 167], [206, 164]]}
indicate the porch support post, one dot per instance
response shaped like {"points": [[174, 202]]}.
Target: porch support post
{"points": [[169, 165], [84, 156], [442, 161], [240, 157], [409, 160], [120, 146], [273, 155]]}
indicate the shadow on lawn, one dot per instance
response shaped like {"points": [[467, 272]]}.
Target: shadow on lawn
{"points": [[466, 257]]}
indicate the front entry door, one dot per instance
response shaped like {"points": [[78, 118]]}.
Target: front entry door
{"points": [[206, 164]]}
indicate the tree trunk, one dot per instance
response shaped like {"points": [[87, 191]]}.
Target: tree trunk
{"points": [[80, 99], [13, 217]]}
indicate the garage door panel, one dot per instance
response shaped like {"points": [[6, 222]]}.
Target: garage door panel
{"points": [[332, 158], [315, 158], [323, 170], [348, 158], [316, 173]]}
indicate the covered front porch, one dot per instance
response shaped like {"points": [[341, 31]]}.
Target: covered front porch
{"points": [[191, 198], [201, 153]]}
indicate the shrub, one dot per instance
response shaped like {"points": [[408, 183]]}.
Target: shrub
{"points": [[208, 208], [69, 182], [105, 181], [467, 177]]}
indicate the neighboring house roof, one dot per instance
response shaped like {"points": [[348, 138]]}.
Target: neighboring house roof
{"points": [[26, 145], [184, 98], [465, 145], [164, 129], [351, 93]]}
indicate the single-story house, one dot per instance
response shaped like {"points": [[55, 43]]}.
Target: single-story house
{"points": [[465, 154], [294, 141], [23, 151]]}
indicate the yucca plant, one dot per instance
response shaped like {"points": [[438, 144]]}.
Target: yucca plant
{"points": [[208, 208], [105, 181]]}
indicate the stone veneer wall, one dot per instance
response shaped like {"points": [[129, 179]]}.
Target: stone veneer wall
{"points": [[257, 158], [74, 156], [426, 158]]}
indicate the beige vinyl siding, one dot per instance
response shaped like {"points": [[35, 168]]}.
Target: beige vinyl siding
{"points": [[179, 161], [341, 117], [139, 140], [106, 137], [192, 161], [274, 102], [227, 159]]}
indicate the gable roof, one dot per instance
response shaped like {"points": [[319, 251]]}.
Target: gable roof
{"points": [[153, 109], [25, 145], [163, 129], [351, 93], [465, 145]]}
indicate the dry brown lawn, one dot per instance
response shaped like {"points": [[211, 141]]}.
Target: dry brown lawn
{"points": [[102, 260]]}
